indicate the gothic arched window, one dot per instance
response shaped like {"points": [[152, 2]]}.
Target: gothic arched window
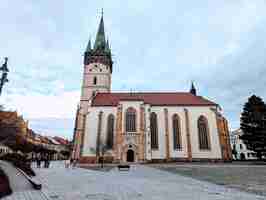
{"points": [[176, 132], [203, 130], [110, 131], [131, 120], [95, 80], [154, 131]]}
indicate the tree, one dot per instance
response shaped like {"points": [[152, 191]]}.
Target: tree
{"points": [[253, 125]]}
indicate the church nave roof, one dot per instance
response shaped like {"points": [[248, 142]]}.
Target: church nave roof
{"points": [[153, 98]]}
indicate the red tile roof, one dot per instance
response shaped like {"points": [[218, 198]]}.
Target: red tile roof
{"points": [[153, 98], [61, 140]]}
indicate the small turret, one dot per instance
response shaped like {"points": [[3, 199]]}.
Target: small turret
{"points": [[88, 49], [193, 89], [107, 48]]}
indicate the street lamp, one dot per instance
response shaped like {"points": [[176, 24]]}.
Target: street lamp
{"points": [[4, 79]]}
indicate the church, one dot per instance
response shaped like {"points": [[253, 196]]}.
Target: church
{"points": [[143, 127]]}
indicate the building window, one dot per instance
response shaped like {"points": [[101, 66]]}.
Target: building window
{"points": [[154, 131], [95, 80], [203, 131], [176, 132], [110, 131], [131, 120], [240, 146]]}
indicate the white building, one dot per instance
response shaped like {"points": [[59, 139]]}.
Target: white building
{"points": [[143, 127], [4, 149], [242, 153]]}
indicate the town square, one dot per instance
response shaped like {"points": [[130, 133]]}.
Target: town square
{"points": [[132, 100]]}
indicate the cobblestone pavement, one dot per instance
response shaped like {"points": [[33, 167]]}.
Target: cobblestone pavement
{"points": [[140, 183], [247, 177], [16, 180]]}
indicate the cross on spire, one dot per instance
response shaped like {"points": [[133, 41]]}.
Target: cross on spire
{"points": [[100, 41], [102, 12]]}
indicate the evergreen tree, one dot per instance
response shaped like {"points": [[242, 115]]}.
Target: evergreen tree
{"points": [[253, 125]]}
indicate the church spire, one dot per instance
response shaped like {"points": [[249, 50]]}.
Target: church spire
{"points": [[100, 41], [101, 51], [193, 89], [88, 49], [107, 46]]}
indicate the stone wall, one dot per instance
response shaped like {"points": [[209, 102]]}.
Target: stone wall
{"points": [[188, 126]]}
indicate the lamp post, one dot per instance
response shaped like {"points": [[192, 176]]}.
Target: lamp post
{"points": [[3, 79]]}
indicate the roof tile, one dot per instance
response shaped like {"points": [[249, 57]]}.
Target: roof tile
{"points": [[153, 98]]}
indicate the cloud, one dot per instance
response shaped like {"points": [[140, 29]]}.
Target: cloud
{"points": [[47, 114], [35, 105], [63, 127]]}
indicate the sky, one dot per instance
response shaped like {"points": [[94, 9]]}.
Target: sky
{"points": [[156, 46]]}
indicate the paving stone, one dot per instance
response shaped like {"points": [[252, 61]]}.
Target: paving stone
{"points": [[140, 183]]}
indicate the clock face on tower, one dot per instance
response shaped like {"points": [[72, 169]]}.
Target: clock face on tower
{"points": [[96, 68]]}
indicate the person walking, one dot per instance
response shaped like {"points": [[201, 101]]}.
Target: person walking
{"points": [[71, 162], [46, 162], [38, 162], [67, 163], [75, 162]]}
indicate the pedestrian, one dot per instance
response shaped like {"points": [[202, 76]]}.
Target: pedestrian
{"points": [[71, 162], [74, 163], [67, 163], [38, 162], [42, 160], [46, 163]]}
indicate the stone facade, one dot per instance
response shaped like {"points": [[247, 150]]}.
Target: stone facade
{"points": [[189, 153], [139, 141], [222, 125]]}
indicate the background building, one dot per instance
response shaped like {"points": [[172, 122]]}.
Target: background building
{"points": [[4, 149], [16, 136], [240, 149]]}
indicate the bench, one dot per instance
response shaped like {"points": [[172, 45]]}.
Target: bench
{"points": [[122, 167]]}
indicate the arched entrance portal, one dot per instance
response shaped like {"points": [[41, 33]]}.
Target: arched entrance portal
{"points": [[130, 155]]}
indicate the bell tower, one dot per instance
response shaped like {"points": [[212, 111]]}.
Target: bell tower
{"points": [[97, 67], [96, 78]]}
